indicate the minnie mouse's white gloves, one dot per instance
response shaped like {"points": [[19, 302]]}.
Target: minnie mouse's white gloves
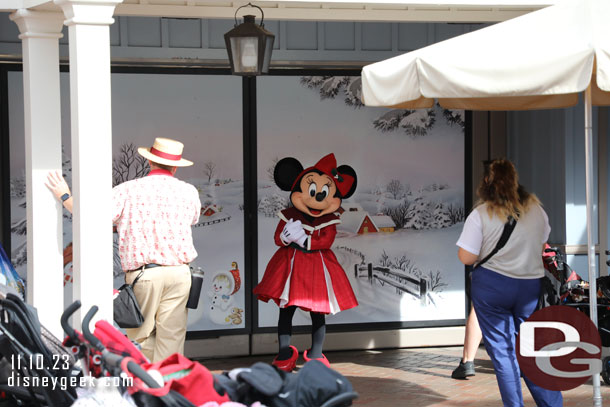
{"points": [[301, 241], [293, 232]]}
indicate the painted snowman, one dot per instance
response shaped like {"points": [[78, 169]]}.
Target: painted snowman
{"points": [[224, 285]]}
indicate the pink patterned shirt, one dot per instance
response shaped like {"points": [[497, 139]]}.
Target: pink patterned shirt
{"points": [[153, 216]]}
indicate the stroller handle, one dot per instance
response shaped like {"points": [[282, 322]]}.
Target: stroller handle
{"points": [[64, 320], [114, 361], [142, 374], [93, 340]]}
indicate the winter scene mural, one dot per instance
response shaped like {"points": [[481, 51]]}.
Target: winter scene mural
{"points": [[396, 240], [175, 106]]}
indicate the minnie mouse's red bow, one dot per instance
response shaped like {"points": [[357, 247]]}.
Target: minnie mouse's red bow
{"points": [[328, 165]]}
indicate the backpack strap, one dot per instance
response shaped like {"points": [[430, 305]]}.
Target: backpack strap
{"points": [[509, 226]]}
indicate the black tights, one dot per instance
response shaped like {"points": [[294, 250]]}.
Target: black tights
{"points": [[284, 332]]}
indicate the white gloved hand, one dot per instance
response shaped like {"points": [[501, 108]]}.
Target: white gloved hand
{"points": [[301, 241], [293, 232]]}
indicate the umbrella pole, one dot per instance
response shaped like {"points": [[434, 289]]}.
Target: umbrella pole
{"points": [[597, 399]]}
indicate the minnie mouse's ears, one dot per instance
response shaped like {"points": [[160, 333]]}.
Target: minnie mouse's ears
{"points": [[349, 171], [286, 172]]}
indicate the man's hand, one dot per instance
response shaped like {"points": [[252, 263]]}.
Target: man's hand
{"points": [[293, 232], [57, 184]]}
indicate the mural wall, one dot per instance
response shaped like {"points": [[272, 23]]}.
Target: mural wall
{"points": [[397, 238], [197, 110]]}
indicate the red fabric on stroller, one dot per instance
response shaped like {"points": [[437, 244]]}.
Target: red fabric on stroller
{"points": [[117, 343], [180, 374], [550, 262], [93, 358]]}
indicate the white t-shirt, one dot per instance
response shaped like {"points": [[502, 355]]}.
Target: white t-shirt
{"points": [[521, 257]]}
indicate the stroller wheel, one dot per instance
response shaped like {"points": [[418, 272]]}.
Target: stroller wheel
{"points": [[606, 370]]}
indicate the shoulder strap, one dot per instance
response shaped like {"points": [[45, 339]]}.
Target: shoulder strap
{"points": [[509, 226], [137, 278]]}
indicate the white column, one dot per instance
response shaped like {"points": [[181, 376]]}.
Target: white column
{"points": [[40, 33], [89, 39]]}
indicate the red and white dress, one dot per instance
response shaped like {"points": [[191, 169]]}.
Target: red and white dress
{"points": [[310, 278]]}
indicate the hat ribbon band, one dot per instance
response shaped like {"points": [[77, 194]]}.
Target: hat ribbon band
{"points": [[173, 157]]}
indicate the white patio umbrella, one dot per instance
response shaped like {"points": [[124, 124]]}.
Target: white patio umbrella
{"points": [[540, 60]]}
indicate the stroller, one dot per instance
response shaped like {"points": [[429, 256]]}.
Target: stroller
{"points": [[91, 358], [184, 383], [574, 292], [125, 361], [36, 368]]}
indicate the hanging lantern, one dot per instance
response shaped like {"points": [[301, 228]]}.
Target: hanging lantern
{"points": [[249, 46]]}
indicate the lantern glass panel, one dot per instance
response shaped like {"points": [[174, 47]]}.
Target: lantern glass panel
{"points": [[245, 53], [268, 50]]}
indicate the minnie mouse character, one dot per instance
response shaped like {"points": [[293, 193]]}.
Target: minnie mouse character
{"points": [[304, 272]]}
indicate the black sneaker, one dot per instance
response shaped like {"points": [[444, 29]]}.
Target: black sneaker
{"points": [[463, 370]]}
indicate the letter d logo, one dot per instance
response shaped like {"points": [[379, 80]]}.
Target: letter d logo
{"points": [[554, 345], [527, 334]]}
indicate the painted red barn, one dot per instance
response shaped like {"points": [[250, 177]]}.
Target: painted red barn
{"points": [[355, 219], [209, 210]]}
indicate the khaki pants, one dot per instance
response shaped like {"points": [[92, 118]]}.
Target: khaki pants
{"points": [[162, 293]]}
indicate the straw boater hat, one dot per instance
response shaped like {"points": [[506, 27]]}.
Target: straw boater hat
{"points": [[165, 151]]}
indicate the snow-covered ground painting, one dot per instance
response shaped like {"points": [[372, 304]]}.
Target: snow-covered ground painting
{"points": [[398, 232], [201, 112]]}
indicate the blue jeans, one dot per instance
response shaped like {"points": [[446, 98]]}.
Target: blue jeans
{"points": [[502, 303]]}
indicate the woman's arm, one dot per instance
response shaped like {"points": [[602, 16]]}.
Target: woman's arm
{"points": [[466, 257], [471, 239]]}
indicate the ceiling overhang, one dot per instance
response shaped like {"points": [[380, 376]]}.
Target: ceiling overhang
{"points": [[458, 11]]}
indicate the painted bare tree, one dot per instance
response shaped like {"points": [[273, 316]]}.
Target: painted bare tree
{"points": [[456, 213], [128, 165], [209, 169], [399, 214], [271, 169], [435, 281], [395, 188]]}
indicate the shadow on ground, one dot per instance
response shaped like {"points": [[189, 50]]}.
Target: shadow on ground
{"points": [[384, 391], [412, 361]]}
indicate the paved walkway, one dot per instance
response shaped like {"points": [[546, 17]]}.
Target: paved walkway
{"points": [[419, 377]]}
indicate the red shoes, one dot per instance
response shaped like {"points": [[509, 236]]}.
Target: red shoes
{"points": [[322, 359], [287, 365]]}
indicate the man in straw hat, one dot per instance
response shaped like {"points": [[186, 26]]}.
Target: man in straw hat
{"points": [[153, 216]]}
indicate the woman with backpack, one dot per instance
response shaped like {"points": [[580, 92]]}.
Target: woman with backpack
{"points": [[506, 277]]}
